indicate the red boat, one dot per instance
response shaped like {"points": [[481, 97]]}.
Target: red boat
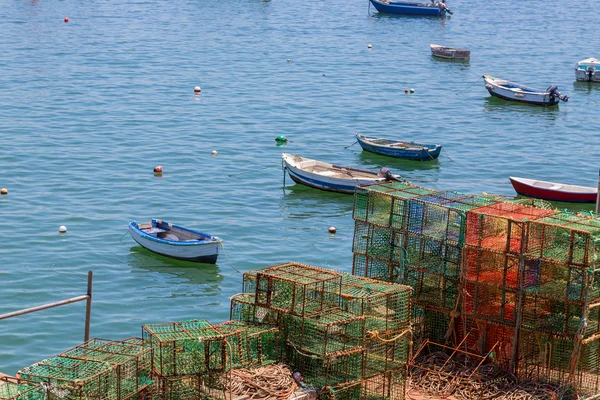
{"points": [[554, 191]]}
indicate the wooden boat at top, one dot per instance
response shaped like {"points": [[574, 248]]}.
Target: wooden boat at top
{"points": [[411, 8], [588, 70], [331, 177], [449, 53], [513, 91], [176, 241], [554, 191], [399, 149]]}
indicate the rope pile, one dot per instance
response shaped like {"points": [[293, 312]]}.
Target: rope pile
{"points": [[487, 382], [272, 382]]}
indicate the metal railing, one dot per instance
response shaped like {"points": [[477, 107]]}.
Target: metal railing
{"points": [[88, 308]]}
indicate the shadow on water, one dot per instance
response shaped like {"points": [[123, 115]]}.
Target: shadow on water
{"points": [[458, 61], [396, 165], [192, 272], [586, 87]]}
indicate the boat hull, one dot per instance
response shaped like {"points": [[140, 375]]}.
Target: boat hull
{"points": [[449, 53], [510, 91], [428, 152], [193, 251], [528, 190], [407, 8], [588, 70]]}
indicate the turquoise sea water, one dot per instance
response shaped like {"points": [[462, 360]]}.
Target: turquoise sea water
{"points": [[88, 108]]}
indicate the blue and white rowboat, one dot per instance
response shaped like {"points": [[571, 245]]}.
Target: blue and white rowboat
{"points": [[330, 177], [176, 241], [513, 91], [410, 8], [398, 149]]}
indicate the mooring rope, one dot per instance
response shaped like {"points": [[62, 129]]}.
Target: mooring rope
{"points": [[224, 252]]}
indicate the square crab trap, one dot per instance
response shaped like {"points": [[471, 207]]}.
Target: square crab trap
{"points": [[192, 347], [77, 379], [131, 360], [17, 389], [385, 205], [298, 289], [330, 332], [502, 226], [259, 345], [386, 306], [244, 308]]}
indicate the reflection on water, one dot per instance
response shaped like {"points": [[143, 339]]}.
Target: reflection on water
{"points": [[502, 109], [397, 165], [208, 275], [300, 201], [586, 87], [464, 63]]}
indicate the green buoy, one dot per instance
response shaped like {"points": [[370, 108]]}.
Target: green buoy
{"points": [[281, 139]]}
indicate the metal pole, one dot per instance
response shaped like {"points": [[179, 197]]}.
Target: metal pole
{"points": [[88, 306], [43, 307], [598, 195]]}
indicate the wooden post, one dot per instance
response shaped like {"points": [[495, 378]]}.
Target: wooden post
{"points": [[88, 307], [598, 195]]}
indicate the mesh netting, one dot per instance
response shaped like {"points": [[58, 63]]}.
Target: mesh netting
{"points": [[431, 290], [76, 378], [433, 256], [16, 389], [330, 332], [491, 267], [186, 348], [375, 268], [386, 306], [244, 308], [328, 370], [131, 360], [490, 302], [386, 351], [185, 388], [501, 226], [375, 241], [385, 205], [297, 288], [566, 237], [431, 324], [390, 385], [260, 345]]}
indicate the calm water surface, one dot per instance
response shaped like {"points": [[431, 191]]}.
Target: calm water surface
{"points": [[89, 107]]}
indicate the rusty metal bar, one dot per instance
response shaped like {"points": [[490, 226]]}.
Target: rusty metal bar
{"points": [[87, 297]]}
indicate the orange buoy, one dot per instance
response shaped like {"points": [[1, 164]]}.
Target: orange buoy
{"points": [[4, 191], [66, 19]]}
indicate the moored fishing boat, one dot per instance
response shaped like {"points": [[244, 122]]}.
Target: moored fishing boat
{"points": [[588, 70], [554, 191], [176, 241], [331, 177], [400, 149], [411, 8], [449, 53], [515, 92]]}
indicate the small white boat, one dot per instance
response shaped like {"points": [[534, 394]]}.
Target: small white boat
{"points": [[588, 70], [449, 52], [176, 241], [513, 91], [330, 177]]}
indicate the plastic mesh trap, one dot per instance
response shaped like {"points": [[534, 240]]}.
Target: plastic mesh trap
{"points": [[192, 347], [386, 306], [501, 226], [260, 345], [131, 360], [385, 205], [16, 389], [333, 331], [244, 308], [297, 289], [375, 268], [76, 378]]}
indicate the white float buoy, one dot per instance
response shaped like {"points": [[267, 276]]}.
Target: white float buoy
{"points": [[214, 152], [62, 229], [332, 229], [369, 47], [412, 90], [289, 60], [197, 89]]}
